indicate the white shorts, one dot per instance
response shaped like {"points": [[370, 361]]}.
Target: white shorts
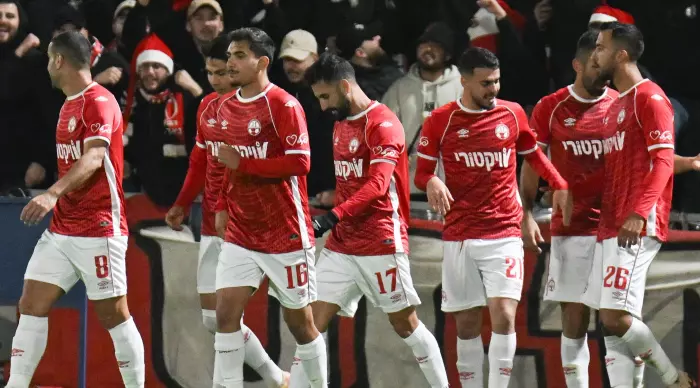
{"points": [[292, 275], [209, 250], [569, 267], [385, 281], [474, 270], [99, 261], [620, 275]]}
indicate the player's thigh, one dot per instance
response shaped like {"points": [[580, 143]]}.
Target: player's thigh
{"points": [[335, 281], [51, 266], [624, 274], [500, 262], [208, 260], [462, 287], [292, 276], [237, 267], [101, 262], [386, 281], [569, 267]]}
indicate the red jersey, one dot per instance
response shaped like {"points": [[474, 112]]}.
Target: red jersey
{"points": [[371, 191], [572, 127], [639, 124], [266, 196], [96, 209]]}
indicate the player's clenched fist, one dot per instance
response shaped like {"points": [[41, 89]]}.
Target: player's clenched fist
{"points": [[563, 201], [439, 197], [38, 208], [220, 221], [229, 157], [630, 231], [174, 218]]}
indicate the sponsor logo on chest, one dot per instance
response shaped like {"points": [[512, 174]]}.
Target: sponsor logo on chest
{"points": [[68, 152]]}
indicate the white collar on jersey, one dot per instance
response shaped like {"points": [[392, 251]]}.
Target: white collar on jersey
{"points": [[585, 100], [73, 97], [464, 108], [251, 99], [632, 88], [364, 112]]}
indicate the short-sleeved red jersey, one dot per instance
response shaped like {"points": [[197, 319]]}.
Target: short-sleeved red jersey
{"points": [[378, 227], [476, 151], [572, 127], [638, 124], [96, 209], [268, 208]]}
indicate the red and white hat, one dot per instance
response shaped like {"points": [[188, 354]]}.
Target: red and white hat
{"points": [[606, 14], [152, 49]]}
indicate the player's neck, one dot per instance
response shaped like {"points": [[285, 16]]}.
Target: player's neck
{"points": [[360, 102], [256, 87], [74, 84], [626, 77], [581, 91]]}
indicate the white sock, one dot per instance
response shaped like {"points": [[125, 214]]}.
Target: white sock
{"points": [[470, 362], [128, 347], [209, 320], [257, 358], [315, 362], [642, 343], [297, 378], [619, 363], [230, 355], [28, 347], [501, 353], [574, 359], [427, 352], [639, 367]]}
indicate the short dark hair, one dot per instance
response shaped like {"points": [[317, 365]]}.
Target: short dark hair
{"points": [[258, 41], [586, 44], [73, 46], [628, 36], [219, 47], [477, 57], [329, 68]]}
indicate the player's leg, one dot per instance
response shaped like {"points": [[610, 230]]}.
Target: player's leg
{"points": [[387, 283], [464, 297], [101, 262], [49, 274], [293, 282], [570, 265], [501, 265]]}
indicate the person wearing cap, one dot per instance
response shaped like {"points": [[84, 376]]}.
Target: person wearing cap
{"points": [[361, 45], [430, 83], [299, 50]]}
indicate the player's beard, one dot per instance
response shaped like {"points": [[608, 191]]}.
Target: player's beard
{"points": [[594, 86], [342, 111], [486, 102]]}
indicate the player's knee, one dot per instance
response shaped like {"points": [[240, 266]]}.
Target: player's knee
{"points": [[33, 307], [615, 321], [111, 312], [575, 318], [301, 324], [404, 322], [468, 323]]}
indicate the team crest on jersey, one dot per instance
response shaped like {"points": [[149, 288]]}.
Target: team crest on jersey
{"points": [[253, 127], [71, 124], [354, 145], [502, 131], [621, 116]]}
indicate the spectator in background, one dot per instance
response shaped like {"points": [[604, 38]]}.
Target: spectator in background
{"points": [[27, 123], [161, 122], [120, 14], [108, 68], [374, 69], [430, 83]]}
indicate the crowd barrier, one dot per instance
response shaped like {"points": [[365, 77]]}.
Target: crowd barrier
{"points": [[364, 352]]}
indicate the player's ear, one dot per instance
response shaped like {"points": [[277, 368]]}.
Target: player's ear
{"points": [[263, 63], [577, 65], [345, 86]]}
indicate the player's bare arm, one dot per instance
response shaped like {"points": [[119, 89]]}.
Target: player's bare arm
{"points": [[529, 182], [84, 168]]}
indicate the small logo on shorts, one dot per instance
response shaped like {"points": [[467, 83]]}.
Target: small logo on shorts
{"points": [[618, 295], [550, 285], [396, 298], [302, 293], [103, 285]]}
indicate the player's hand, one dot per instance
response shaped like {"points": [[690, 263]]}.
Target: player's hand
{"points": [[628, 234], [229, 157], [563, 201], [439, 196], [531, 234], [38, 208], [220, 221], [110, 76], [35, 174], [695, 163], [324, 223], [174, 218]]}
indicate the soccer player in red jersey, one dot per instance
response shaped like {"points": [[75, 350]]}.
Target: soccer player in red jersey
{"points": [[569, 123], [367, 251], [637, 187], [206, 173], [268, 233], [87, 238], [474, 139]]}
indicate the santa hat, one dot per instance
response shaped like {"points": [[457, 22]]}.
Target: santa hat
{"points": [[484, 30], [152, 49], [606, 14]]}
